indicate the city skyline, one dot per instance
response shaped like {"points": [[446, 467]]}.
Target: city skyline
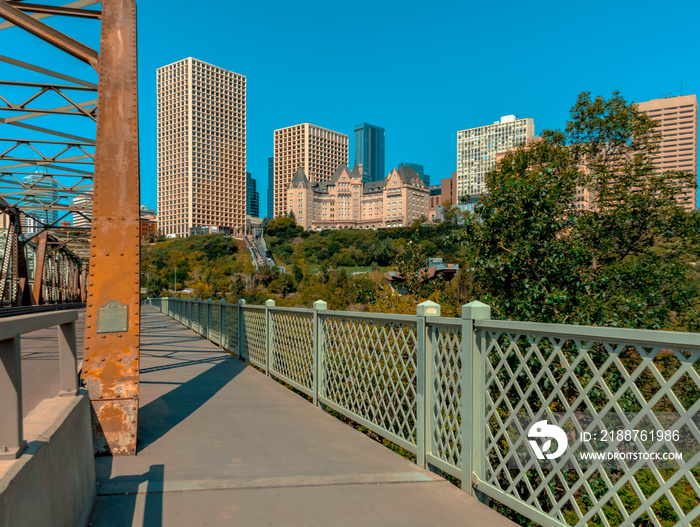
{"points": [[428, 89], [541, 57]]}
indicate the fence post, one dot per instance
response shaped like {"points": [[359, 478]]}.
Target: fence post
{"points": [[423, 354], [268, 335], [241, 328], [11, 432], [222, 324], [67, 360], [199, 316], [210, 304], [319, 305], [472, 382], [190, 324]]}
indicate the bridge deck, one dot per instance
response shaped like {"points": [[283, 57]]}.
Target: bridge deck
{"points": [[219, 443]]}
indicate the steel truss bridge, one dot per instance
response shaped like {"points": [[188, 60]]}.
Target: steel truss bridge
{"points": [[69, 187], [48, 115]]}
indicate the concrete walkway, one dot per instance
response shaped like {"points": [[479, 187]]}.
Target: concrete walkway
{"points": [[221, 444]]}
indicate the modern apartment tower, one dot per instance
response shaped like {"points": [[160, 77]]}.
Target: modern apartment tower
{"points": [[369, 151], [477, 149], [317, 150], [201, 147], [677, 121], [252, 196]]}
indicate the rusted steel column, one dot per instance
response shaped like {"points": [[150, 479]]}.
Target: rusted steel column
{"points": [[83, 284], [111, 364], [39, 268]]}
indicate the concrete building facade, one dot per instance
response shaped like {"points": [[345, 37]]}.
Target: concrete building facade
{"points": [[318, 151], [345, 202], [477, 149], [677, 121], [369, 151], [201, 147]]}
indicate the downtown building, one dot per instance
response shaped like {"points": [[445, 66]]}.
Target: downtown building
{"points": [[318, 151], [369, 151], [477, 150], [676, 120], [252, 196], [201, 147], [346, 202]]}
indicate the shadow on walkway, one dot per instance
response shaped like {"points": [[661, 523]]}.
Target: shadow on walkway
{"points": [[161, 415]]}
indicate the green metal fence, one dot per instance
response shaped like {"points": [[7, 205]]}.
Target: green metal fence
{"points": [[464, 395]]}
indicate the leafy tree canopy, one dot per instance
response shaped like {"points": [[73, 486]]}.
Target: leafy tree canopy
{"points": [[623, 262]]}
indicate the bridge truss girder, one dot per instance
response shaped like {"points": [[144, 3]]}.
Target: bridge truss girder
{"points": [[73, 153]]}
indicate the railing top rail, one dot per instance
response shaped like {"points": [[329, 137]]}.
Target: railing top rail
{"points": [[248, 306], [21, 324], [444, 321], [369, 316], [647, 337], [303, 310]]}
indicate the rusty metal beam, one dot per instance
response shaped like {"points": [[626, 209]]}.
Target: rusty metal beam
{"points": [[39, 16], [49, 34], [39, 268], [44, 71], [56, 10], [111, 364]]}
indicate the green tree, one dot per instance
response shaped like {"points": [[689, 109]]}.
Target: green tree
{"points": [[537, 256]]}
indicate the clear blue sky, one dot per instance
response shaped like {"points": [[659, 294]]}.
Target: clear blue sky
{"points": [[421, 70]]}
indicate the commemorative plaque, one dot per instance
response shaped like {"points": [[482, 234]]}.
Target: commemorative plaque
{"points": [[112, 317]]}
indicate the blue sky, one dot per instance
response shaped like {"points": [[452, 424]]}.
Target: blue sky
{"points": [[421, 70]]}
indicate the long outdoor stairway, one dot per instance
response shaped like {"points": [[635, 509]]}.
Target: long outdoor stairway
{"points": [[221, 444]]}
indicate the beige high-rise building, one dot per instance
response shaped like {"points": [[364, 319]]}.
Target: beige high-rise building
{"points": [[317, 150], [677, 121], [201, 147], [477, 149]]}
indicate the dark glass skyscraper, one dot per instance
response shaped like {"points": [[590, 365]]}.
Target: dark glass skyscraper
{"points": [[369, 151], [419, 169], [252, 196]]}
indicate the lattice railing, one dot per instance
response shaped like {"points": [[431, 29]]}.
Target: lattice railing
{"points": [[369, 372], [594, 381], [292, 347], [444, 364], [463, 395], [253, 339]]}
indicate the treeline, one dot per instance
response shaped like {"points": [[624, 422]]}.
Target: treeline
{"points": [[529, 250], [209, 265]]}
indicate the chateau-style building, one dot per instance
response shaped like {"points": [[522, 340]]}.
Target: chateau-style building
{"points": [[345, 202]]}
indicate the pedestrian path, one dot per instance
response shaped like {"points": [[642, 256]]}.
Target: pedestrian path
{"points": [[221, 444]]}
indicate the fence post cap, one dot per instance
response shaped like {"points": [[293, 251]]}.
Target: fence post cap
{"points": [[320, 305], [428, 309], [222, 301], [270, 303], [210, 301], [241, 302], [476, 311]]}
